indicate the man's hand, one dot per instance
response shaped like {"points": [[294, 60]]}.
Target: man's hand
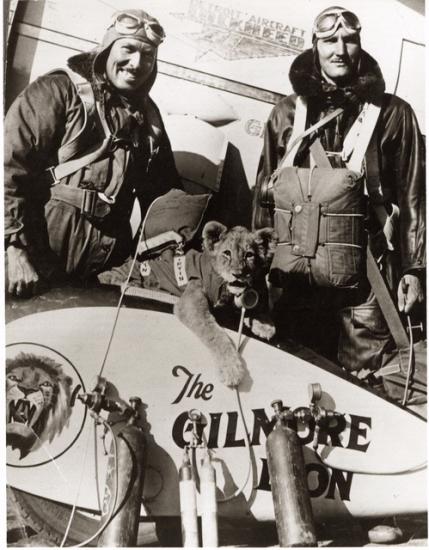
{"points": [[22, 278], [409, 292]]}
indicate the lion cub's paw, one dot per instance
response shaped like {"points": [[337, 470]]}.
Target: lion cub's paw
{"points": [[262, 328], [231, 369]]}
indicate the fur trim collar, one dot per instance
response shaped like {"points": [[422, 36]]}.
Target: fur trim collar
{"points": [[83, 64], [307, 81]]}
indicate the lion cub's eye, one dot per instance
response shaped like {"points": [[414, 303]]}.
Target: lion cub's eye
{"points": [[46, 384], [249, 255], [227, 254], [14, 378]]}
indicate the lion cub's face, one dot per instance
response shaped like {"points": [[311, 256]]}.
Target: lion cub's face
{"points": [[239, 256]]}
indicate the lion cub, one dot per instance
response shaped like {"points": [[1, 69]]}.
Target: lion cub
{"points": [[232, 261]]}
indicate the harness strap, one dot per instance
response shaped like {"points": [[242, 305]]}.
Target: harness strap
{"points": [[69, 167], [297, 129], [373, 187], [300, 116], [358, 138], [86, 95], [386, 304], [89, 202], [319, 155]]}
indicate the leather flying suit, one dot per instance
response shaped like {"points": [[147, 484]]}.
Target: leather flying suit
{"points": [[48, 114], [348, 321]]}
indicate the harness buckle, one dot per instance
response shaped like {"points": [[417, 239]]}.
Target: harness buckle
{"points": [[89, 202], [51, 172]]}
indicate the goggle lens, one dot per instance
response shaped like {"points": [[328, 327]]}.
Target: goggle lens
{"points": [[126, 23], [329, 22], [326, 23], [156, 29]]}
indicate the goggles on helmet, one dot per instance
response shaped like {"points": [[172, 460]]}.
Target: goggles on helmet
{"points": [[129, 24], [327, 23]]}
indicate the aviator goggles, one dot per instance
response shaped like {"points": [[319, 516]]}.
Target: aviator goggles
{"points": [[327, 23], [129, 24]]}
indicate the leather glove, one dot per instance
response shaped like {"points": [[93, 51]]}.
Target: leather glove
{"points": [[410, 292]]}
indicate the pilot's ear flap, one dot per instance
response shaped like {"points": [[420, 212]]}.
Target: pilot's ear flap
{"points": [[266, 239], [212, 233]]}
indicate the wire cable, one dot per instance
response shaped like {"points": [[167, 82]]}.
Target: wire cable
{"points": [[240, 489], [118, 307], [410, 361], [73, 510], [112, 511], [97, 478]]}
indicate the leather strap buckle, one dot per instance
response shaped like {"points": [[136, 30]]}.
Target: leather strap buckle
{"points": [[89, 202], [51, 172]]}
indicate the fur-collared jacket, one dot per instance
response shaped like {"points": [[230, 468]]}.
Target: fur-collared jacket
{"points": [[49, 114], [400, 145]]}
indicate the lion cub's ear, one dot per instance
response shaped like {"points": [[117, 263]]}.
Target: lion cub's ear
{"points": [[212, 233], [266, 239]]}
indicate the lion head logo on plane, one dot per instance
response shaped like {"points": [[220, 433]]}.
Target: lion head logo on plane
{"points": [[38, 401]]}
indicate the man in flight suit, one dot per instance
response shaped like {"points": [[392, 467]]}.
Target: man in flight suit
{"points": [[345, 323], [70, 218]]}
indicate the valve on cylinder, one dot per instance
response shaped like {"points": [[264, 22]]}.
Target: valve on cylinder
{"points": [[97, 400], [292, 504], [124, 483], [322, 417], [188, 483]]}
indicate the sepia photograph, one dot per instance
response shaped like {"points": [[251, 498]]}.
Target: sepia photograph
{"points": [[215, 273]]}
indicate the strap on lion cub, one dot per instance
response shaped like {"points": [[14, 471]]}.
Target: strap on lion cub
{"points": [[319, 211]]}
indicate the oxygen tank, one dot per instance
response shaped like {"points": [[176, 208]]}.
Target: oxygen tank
{"points": [[188, 504], [292, 505], [124, 486], [209, 525]]}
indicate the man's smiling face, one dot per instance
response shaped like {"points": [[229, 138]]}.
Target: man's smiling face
{"points": [[129, 64], [339, 55]]}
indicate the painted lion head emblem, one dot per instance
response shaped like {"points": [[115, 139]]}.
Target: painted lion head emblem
{"points": [[37, 401]]}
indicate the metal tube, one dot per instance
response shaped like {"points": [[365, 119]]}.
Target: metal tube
{"points": [[209, 523], [188, 504]]}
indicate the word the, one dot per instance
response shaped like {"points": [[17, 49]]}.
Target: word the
{"points": [[192, 387]]}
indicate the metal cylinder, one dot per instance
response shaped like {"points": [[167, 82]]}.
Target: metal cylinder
{"points": [[188, 504], [292, 504], [124, 489], [208, 501]]}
